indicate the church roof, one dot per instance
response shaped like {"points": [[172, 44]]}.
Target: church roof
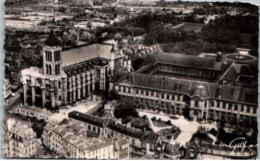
{"points": [[86, 52], [52, 40]]}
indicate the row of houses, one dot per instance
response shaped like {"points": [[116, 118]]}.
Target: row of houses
{"points": [[72, 139]]}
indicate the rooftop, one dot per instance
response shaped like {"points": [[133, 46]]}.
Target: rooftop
{"points": [[132, 132], [189, 87], [188, 60], [86, 52], [52, 40], [75, 134], [22, 133]]}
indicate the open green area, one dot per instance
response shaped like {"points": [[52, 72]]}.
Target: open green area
{"points": [[195, 27]]}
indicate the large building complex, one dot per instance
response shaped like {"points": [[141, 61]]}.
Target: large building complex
{"points": [[193, 86], [69, 75]]}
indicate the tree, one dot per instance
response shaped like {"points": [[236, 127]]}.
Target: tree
{"points": [[124, 110], [169, 122], [89, 24], [136, 63], [153, 118], [112, 95]]}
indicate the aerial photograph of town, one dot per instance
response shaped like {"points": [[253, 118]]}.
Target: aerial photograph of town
{"points": [[130, 79]]}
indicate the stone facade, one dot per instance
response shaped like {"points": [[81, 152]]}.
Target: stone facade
{"points": [[69, 75]]}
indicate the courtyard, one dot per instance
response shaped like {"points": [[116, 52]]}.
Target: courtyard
{"points": [[188, 128]]}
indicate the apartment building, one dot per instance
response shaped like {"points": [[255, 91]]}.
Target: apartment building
{"points": [[20, 142], [75, 140]]}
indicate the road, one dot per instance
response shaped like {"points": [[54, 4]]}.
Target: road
{"points": [[13, 102]]}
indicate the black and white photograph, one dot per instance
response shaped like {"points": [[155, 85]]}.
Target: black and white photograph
{"points": [[130, 79]]}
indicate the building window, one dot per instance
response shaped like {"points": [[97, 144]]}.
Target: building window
{"points": [[57, 69], [212, 103], [236, 107], [137, 91], [57, 56], [48, 55], [162, 95], [230, 106], [242, 108], [196, 103], [47, 69], [157, 94], [248, 109], [50, 70], [47, 87], [59, 84], [224, 105]]}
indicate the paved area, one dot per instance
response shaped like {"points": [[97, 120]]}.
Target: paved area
{"points": [[80, 107], [83, 107], [188, 128]]}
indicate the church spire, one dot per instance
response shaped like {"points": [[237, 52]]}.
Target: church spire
{"points": [[52, 40]]}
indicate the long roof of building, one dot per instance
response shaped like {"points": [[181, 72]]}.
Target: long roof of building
{"points": [[131, 132], [86, 52], [189, 61], [189, 87]]}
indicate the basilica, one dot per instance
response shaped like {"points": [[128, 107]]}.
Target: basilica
{"points": [[70, 75]]}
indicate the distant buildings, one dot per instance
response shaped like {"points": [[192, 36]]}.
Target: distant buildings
{"points": [[74, 140], [19, 142], [80, 2]]}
